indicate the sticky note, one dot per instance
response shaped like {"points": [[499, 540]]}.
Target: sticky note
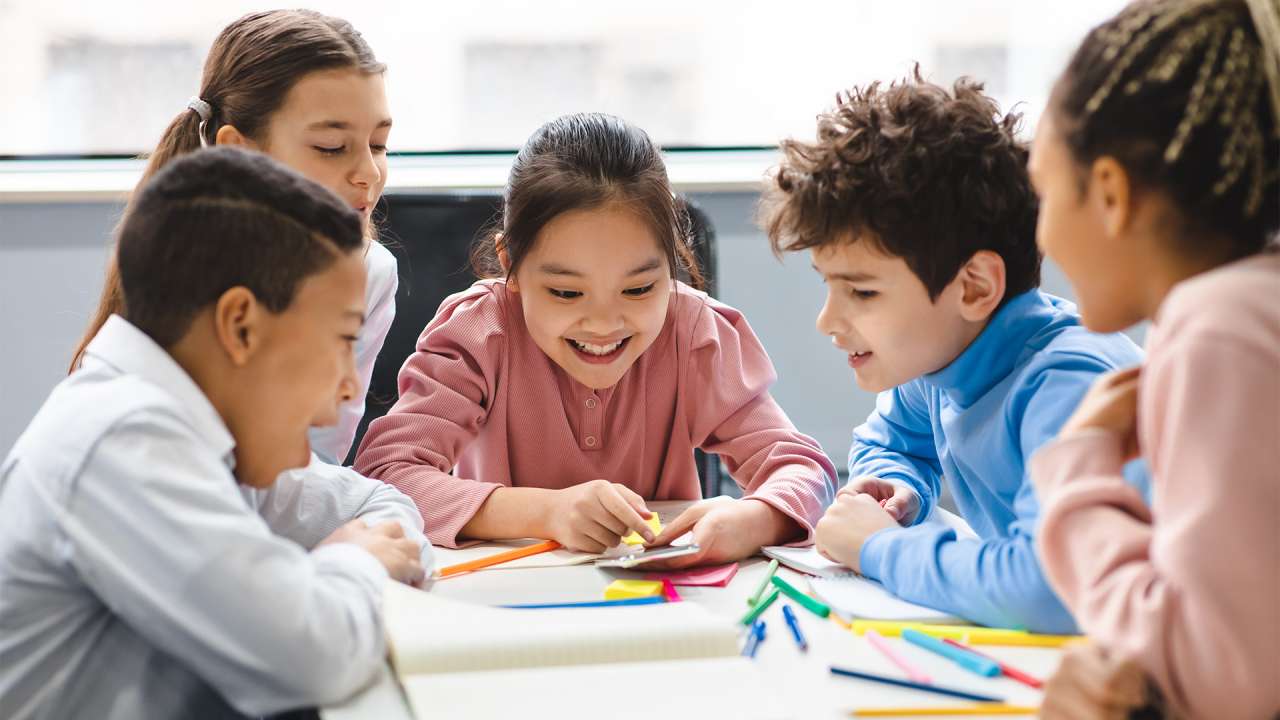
{"points": [[628, 589], [654, 524], [708, 577]]}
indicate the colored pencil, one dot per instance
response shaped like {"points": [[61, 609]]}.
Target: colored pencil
{"points": [[913, 673], [937, 689], [651, 600], [941, 711], [499, 558]]}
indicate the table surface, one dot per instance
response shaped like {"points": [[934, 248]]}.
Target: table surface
{"points": [[810, 689]]}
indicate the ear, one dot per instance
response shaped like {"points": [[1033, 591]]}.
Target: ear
{"points": [[982, 285], [229, 135], [1111, 194], [238, 324], [504, 259]]}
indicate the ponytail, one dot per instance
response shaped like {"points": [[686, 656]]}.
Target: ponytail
{"points": [[181, 137]]}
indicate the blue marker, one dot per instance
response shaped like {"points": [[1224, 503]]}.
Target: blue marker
{"points": [[985, 667], [754, 639], [794, 624]]}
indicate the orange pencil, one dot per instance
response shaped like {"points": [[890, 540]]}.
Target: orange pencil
{"points": [[499, 558]]}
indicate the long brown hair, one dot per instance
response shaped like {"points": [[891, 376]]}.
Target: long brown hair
{"points": [[584, 161], [251, 67]]}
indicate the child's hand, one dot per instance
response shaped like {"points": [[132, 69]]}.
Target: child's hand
{"points": [[1111, 404], [386, 543], [848, 523], [726, 530], [1091, 684], [899, 501], [594, 516]]}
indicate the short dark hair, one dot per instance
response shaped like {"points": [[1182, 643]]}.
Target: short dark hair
{"points": [[928, 175], [580, 162], [220, 218], [1178, 94]]}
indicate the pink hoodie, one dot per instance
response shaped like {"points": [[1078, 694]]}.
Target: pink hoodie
{"points": [[1191, 586]]}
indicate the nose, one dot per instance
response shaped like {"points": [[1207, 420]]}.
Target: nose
{"points": [[349, 382], [829, 321], [366, 173], [602, 318]]}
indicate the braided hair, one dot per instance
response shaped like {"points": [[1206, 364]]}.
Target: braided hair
{"points": [[1185, 94]]}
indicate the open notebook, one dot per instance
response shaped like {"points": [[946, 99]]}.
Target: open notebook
{"points": [[853, 596], [460, 660]]}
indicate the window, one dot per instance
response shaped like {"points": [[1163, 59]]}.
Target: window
{"points": [[81, 78]]}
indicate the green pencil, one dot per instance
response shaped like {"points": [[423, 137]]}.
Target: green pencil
{"points": [[760, 607], [755, 596], [813, 606]]}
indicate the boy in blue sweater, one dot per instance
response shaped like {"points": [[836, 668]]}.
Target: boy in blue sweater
{"points": [[916, 207]]}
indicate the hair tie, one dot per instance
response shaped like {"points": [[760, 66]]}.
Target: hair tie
{"points": [[202, 108], [205, 111]]}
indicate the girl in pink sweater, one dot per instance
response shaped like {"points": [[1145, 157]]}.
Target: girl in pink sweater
{"points": [[576, 383], [1157, 165]]}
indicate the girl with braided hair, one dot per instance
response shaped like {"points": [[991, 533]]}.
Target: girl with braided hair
{"points": [[1158, 169]]}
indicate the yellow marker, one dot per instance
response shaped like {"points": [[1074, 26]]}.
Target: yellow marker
{"points": [[654, 524], [980, 709], [971, 634], [628, 589]]}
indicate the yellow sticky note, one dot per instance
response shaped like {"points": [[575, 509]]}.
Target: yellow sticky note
{"points": [[627, 589], [654, 524]]}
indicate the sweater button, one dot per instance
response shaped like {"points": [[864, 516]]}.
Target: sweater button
{"points": [[591, 403], [591, 441]]}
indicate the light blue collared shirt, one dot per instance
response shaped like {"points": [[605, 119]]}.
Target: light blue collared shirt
{"points": [[976, 422], [138, 579]]}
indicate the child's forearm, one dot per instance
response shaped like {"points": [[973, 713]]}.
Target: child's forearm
{"points": [[509, 513]]}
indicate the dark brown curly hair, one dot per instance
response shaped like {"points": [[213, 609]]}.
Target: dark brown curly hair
{"points": [[928, 175]]}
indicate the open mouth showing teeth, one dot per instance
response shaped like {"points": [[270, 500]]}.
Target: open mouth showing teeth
{"points": [[598, 351], [862, 354]]}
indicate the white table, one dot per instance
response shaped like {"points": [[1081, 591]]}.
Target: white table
{"points": [[803, 679]]}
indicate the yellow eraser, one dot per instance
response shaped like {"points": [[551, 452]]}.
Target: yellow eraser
{"points": [[654, 524], [627, 589]]}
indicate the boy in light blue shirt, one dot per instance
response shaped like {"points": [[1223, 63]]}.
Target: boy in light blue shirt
{"points": [[915, 204]]}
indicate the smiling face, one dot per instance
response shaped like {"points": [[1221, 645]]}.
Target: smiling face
{"points": [[594, 289], [879, 313], [333, 128]]}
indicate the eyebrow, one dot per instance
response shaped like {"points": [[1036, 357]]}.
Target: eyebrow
{"points": [[557, 269], [341, 124], [854, 277], [354, 314]]}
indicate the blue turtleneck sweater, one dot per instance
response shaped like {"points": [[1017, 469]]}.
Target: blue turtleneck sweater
{"points": [[976, 422]]}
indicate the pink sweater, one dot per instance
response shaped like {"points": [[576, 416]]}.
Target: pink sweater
{"points": [[480, 395], [1191, 586]]}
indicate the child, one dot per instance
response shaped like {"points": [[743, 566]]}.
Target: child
{"points": [[1157, 163], [916, 206], [307, 90], [140, 577], [576, 383]]}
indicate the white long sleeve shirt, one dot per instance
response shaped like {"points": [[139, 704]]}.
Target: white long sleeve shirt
{"points": [[138, 579], [332, 444]]}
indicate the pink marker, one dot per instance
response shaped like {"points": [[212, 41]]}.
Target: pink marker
{"points": [[913, 673]]}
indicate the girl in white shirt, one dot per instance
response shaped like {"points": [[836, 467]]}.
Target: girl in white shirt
{"points": [[307, 90]]}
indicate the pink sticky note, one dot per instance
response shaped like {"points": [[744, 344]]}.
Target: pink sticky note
{"points": [[718, 576]]}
